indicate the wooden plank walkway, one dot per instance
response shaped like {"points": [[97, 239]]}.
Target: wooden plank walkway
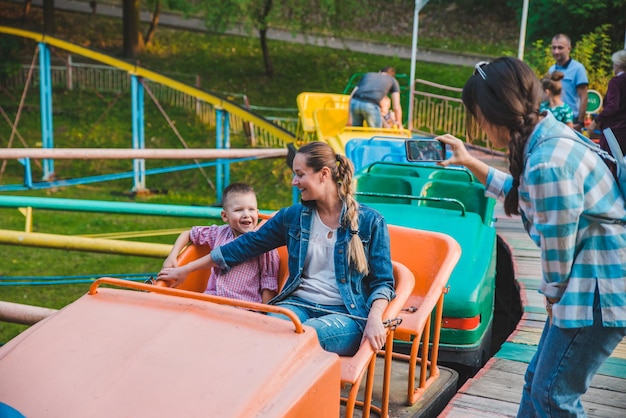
{"points": [[495, 391]]}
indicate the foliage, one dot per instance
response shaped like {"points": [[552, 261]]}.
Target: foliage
{"points": [[9, 50], [593, 50], [325, 16], [575, 18]]}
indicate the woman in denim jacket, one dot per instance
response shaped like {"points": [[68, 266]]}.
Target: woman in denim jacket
{"points": [[340, 273], [567, 199]]}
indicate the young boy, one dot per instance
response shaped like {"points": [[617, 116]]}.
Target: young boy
{"points": [[388, 117], [255, 280]]}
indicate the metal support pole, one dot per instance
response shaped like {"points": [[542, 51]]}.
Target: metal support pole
{"points": [[419, 5], [69, 75], [219, 144], [45, 95], [139, 165], [227, 146], [28, 173], [522, 31]]}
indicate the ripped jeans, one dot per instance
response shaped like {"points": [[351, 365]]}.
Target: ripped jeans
{"points": [[336, 332]]}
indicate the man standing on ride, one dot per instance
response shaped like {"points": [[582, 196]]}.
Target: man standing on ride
{"points": [[366, 96]]}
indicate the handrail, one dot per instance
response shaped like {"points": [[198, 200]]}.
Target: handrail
{"points": [[408, 196], [198, 296], [144, 153], [430, 166]]}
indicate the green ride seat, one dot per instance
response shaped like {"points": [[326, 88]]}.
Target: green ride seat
{"points": [[383, 184], [472, 195], [395, 170], [454, 175]]}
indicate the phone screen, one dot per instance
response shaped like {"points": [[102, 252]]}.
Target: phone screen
{"points": [[425, 150]]}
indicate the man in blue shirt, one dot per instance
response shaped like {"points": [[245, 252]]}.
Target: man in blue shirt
{"points": [[575, 82]]}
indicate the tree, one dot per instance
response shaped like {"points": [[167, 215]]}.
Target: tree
{"points": [[260, 15], [575, 18], [134, 41], [48, 16]]}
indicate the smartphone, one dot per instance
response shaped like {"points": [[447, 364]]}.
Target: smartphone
{"points": [[425, 150]]}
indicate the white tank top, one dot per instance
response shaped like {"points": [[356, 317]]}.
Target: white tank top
{"points": [[319, 284]]}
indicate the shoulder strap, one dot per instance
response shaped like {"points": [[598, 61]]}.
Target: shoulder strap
{"points": [[578, 137], [616, 150], [617, 158]]}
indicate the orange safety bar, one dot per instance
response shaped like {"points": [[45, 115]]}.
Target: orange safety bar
{"points": [[353, 368], [93, 289], [431, 257]]}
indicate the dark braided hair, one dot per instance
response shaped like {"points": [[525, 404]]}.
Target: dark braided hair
{"points": [[320, 155], [507, 96]]}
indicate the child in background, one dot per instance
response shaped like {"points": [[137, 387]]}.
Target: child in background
{"points": [[389, 117], [552, 99], [255, 280]]}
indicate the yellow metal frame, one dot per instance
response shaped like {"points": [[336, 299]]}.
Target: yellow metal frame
{"points": [[133, 69]]}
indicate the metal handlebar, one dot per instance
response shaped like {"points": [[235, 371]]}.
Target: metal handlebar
{"points": [[424, 198], [198, 296]]}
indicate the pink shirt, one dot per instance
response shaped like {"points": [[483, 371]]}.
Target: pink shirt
{"points": [[246, 280]]}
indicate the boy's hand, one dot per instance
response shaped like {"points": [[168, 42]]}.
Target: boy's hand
{"points": [[170, 262], [173, 275]]}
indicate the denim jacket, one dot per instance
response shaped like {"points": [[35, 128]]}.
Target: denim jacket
{"points": [[292, 227]]}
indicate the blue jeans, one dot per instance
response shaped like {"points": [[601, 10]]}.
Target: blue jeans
{"points": [[563, 366], [365, 111], [336, 332]]}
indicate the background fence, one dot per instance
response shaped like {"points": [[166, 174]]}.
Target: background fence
{"points": [[437, 108], [74, 75]]}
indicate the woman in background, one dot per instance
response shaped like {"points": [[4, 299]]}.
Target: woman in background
{"points": [[613, 113]]}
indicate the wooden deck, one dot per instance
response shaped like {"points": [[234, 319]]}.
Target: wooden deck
{"points": [[495, 391]]}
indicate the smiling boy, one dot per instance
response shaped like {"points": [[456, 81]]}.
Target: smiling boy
{"points": [[255, 280]]}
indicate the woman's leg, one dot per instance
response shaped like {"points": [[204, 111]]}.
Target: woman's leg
{"points": [[562, 371], [300, 307], [526, 407], [338, 333]]}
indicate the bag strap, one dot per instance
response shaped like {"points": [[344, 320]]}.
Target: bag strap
{"points": [[575, 136], [616, 150]]}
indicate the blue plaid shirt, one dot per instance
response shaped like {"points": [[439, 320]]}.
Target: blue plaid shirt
{"points": [[562, 182]]}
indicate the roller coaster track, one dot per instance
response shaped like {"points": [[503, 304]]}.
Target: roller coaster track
{"points": [[133, 69]]}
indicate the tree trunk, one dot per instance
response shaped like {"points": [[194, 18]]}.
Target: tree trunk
{"points": [[269, 67], [48, 17], [262, 21], [153, 23], [133, 41]]}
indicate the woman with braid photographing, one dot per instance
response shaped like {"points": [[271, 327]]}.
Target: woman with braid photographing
{"points": [[567, 199], [340, 272]]}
